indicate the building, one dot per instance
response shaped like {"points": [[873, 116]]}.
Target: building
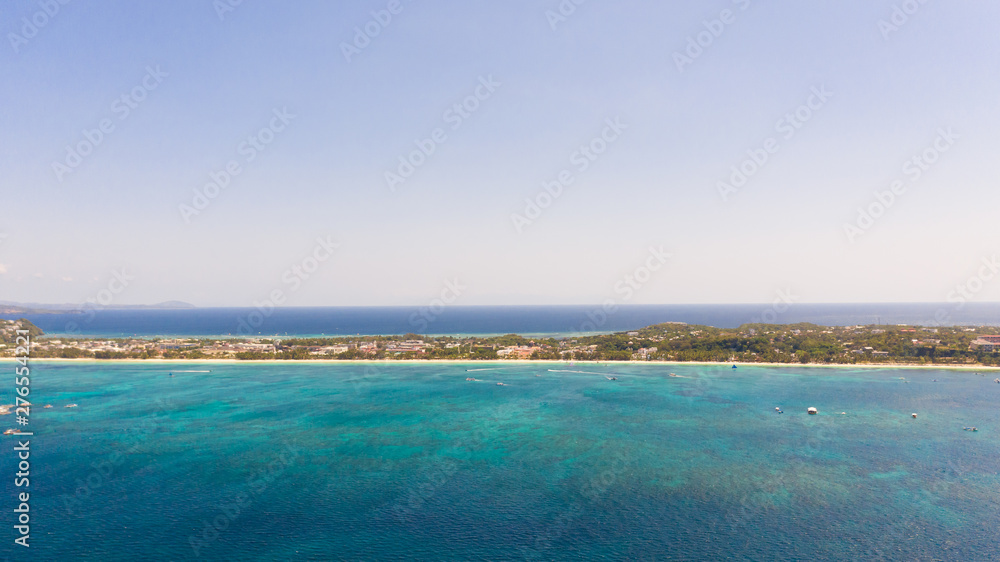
{"points": [[518, 351], [414, 346], [989, 344]]}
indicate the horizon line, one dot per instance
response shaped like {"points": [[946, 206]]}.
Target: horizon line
{"points": [[189, 306]]}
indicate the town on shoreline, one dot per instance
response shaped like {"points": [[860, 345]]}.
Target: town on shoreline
{"points": [[672, 342]]}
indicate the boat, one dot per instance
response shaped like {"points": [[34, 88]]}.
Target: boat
{"points": [[672, 375], [812, 411], [71, 405], [970, 429], [501, 384], [10, 432]]}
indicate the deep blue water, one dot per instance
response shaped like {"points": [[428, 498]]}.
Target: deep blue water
{"points": [[556, 320], [412, 462]]}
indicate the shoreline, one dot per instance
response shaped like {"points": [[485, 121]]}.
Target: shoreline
{"points": [[518, 362]]}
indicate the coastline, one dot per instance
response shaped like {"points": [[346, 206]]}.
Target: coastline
{"points": [[518, 362]]}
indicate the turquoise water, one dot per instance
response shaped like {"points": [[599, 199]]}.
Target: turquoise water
{"points": [[411, 461]]}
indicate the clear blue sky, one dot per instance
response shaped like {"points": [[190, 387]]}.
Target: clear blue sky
{"points": [[555, 84]]}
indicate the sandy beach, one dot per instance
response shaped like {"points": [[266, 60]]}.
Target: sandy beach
{"points": [[518, 362]]}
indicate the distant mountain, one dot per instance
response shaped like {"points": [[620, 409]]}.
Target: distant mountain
{"points": [[8, 307], [16, 309], [168, 304]]}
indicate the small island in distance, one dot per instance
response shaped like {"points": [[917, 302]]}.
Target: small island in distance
{"points": [[672, 342], [37, 308]]}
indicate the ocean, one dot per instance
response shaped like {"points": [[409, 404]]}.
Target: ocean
{"points": [[489, 320], [410, 461]]}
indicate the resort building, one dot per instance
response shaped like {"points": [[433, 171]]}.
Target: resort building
{"points": [[518, 351], [989, 344], [415, 346]]}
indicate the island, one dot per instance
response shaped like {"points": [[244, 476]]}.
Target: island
{"points": [[673, 342], [7, 307]]}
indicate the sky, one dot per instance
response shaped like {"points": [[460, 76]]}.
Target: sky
{"points": [[397, 152]]}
